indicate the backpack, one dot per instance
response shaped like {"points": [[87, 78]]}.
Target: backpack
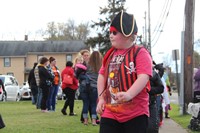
{"points": [[194, 110], [195, 123]]}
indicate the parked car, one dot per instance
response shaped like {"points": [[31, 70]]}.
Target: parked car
{"points": [[12, 91], [25, 91], [60, 94]]}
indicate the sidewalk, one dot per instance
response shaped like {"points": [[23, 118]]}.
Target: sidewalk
{"points": [[170, 126]]}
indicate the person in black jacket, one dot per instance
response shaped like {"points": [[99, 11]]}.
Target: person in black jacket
{"points": [[32, 84], [2, 125], [2, 86], [159, 67], [156, 89], [45, 82]]}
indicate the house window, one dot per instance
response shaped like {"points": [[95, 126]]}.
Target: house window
{"points": [[7, 62], [69, 57]]}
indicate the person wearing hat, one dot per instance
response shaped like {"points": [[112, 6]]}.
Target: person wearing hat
{"points": [[123, 81]]}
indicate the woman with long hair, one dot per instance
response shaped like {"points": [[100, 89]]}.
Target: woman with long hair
{"points": [[51, 103], [89, 92]]}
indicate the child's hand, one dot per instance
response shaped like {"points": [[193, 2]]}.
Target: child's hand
{"points": [[100, 106], [122, 97], [169, 107]]}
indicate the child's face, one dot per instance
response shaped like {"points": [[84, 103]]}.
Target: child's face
{"points": [[118, 40], [79, 61]]}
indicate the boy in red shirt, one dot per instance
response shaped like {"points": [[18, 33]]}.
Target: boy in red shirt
{"points": [[123, 80]]}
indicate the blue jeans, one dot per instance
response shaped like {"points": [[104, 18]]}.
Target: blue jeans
{"points": [[51, 102], [84, 77], [39, 98], [89, 98], [159, 106]]}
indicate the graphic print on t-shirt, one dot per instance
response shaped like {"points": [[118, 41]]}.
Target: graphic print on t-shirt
{"points": [[113, 80], [113, 76]]}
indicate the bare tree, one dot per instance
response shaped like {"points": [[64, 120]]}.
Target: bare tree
{"points": [[51, 31], [67, 31], [82, 31], [70, 30], [61, 31]]}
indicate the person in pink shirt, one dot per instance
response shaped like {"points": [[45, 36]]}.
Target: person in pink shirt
{"points": [[123, 81]]}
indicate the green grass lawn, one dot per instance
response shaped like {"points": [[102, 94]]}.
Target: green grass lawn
{"points": [[23, 117]]}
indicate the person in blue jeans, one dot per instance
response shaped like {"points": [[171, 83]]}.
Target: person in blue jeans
{"points": [[159, 98], [51, 103], [89, 98], [88, 92], [39, 98], [53, 69]]}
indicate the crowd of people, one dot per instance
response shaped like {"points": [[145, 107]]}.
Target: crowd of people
{"points": [[45, 78]]}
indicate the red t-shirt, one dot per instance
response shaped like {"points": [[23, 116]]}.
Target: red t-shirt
{"points": [[141, 101]]}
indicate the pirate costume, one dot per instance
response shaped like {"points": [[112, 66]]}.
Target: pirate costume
{"points": [[120, 69]]}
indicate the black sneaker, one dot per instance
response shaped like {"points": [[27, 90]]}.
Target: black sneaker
{"points": [[63, 112], [72, 114]]}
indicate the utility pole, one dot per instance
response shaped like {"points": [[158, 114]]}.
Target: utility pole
{"points": [[149, 28], [188, 52]]}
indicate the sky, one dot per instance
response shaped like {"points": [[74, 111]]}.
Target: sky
{"points": [[20, 17]]}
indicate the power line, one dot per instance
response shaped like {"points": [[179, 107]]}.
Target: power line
{"points": [[162, 24], [160, 31], [166, 9], [161, 15]]}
